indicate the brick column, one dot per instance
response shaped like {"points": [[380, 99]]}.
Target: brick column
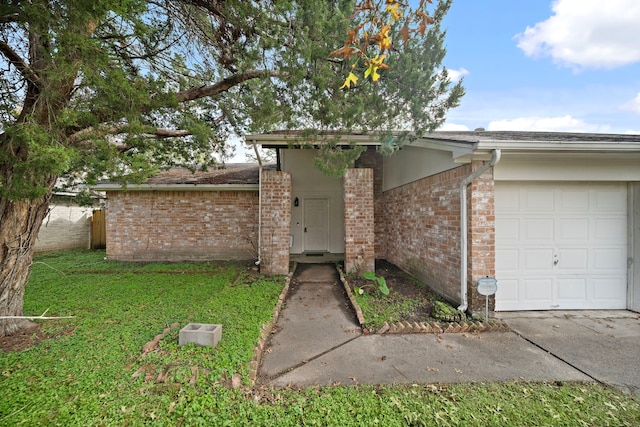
{"points": [[276, 222], [359, 221], [481, 239], [372, 159]]}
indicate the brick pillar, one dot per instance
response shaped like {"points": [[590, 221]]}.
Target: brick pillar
{"points": [[481, 239], [359, 221], [372, 159], [276, 222]]}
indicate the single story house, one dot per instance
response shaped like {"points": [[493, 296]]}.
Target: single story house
{"points": [[554, 217]]}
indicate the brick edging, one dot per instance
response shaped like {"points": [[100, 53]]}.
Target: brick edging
{"points": [[265, 329], [352, 300], [494, 325], [442, 327]]}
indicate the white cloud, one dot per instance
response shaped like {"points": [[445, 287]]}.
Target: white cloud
{"points": [[546, 124], [587, 34], [456, 75], [454, 127], [633, 105], [632, 132]]}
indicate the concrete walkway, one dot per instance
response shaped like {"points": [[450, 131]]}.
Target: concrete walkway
{"points": [[603, 344], [317, 341], [316, 319]]}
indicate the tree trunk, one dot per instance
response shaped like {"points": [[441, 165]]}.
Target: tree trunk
{"points": [[20, 222]]}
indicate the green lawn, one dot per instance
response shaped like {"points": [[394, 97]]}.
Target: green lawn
{"points": [[93, 372]]}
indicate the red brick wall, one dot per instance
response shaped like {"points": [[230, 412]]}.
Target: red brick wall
{"points": [[276, 222], [182, 225], [422, 231], [359, 220], [481, 246], [373, 160]]}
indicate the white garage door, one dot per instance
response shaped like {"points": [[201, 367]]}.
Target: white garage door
{"points": [[561, 246]]}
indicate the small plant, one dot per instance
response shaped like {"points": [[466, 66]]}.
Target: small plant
{"points": [[445, 313], [380, 281]]}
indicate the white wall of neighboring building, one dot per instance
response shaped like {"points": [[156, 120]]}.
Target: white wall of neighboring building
{"points": [[67, 226]]}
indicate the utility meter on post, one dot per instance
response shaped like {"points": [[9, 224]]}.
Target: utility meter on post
{"points": [[487, 286]]}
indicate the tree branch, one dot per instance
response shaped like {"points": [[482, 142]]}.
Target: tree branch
{"points": [[160, 133], [102, 130], [42, 317], [222, 86], [36, 317], [11, 14], [17, 62], [5, 19]]}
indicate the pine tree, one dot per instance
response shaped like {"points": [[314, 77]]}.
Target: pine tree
{"points": [[121, 88]]}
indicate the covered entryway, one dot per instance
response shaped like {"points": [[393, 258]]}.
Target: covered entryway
{"points": [[561, 245]]}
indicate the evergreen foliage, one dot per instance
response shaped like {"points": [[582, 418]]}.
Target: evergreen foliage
{"points": [[120, 88]]}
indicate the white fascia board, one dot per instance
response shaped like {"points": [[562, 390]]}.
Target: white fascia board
{"points": [[483, 149], [558, 146], [178, 187], [286, 140]]}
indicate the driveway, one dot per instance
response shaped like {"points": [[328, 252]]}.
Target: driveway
{"points": [[604, 345]]}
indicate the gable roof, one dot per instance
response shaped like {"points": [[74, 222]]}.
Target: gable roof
{"points": [[479, 144], [234, 176]]}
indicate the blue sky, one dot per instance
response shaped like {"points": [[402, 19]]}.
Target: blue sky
{"points": [[542, 65], [545, 65]]}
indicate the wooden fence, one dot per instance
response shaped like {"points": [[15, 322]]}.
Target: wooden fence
{"points": [[98, 229]]}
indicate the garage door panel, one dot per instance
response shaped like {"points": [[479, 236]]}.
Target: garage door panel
{"points": [[572, 289], [612, 199], [537, 201], [610, 229], [572, 200], [572, 230], [537, 229], [608, 260], [537, 260], [509, 289], [509, 231], [510, 202], [561, 245], [540, 289], [507, 261], [608, 288], [572, 260]]}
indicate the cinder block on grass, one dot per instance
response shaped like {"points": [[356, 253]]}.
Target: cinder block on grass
{"points": [[200, 334]]}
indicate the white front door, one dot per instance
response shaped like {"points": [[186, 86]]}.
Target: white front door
{"points": [[561, 245], [316, 224]]}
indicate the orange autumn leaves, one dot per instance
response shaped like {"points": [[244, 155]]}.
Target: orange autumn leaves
{"points": [[370, 41]]}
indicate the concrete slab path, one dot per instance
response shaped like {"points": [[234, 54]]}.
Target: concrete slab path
{"points": [[429, 358], [602, 344], [316, 341], [315, 319]]}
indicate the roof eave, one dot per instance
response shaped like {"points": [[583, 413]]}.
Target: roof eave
{"points": [[284, 141], [483, 149], [177, 187], [557, 146]]}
